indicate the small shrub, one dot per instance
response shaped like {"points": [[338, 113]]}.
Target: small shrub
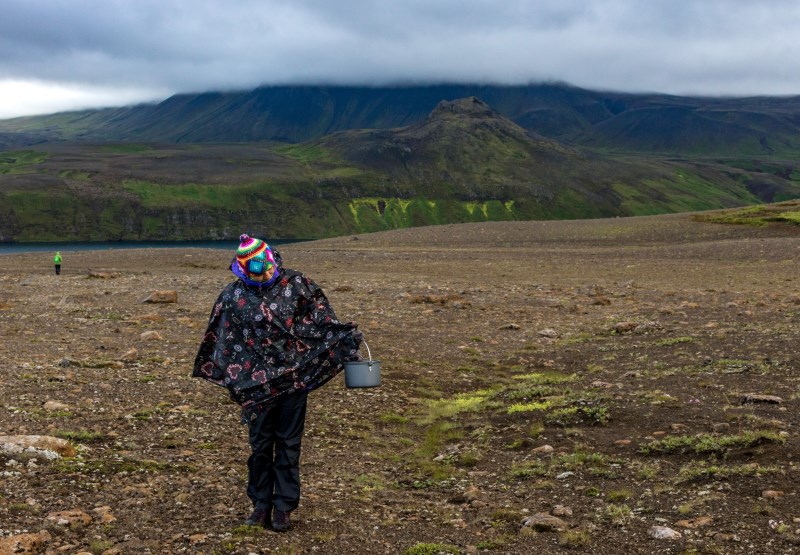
{"points": [[673, 341], [529, 469], [618, 514], [574, 539], [393, 418], [81, 436], [98, 546], [591, 491], [619, 495], [529, 407]]}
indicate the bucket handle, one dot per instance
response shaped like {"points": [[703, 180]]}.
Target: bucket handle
{"points": [[368, 352]]}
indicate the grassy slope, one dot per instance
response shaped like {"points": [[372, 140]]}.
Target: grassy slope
{"points": [[463, 164]]}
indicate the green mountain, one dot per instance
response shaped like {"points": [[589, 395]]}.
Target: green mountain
{"points": [[463, 162], [645, 123]]}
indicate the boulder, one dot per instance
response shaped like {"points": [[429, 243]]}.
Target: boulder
{"points": [[25, 543], [53, 406], [542, 522], [68, 518], [755, 398], [17, 444], [663, 533]]}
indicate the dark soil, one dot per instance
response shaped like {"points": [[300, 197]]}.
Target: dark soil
{"points": [[627, 345]]}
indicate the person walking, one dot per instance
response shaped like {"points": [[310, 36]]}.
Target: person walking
{"points": [[57, 262], [272, 337]]}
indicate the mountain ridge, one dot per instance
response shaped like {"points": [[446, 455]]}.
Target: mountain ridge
{"points": [[464, 162], [614, 121]]}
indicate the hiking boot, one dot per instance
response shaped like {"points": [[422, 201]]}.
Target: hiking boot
{"points": [[259, 517], [280, 521]]}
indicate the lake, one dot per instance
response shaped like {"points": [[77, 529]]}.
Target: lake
{"points": [[17, 248]]}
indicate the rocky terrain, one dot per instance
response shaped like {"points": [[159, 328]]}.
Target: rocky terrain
{"points": [[601, 386]]}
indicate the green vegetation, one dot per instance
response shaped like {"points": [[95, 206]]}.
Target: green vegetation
{"points": [[76, 465], [697, 470], [618, 514], [81, 436], [760, 215], [711, 443], [431, 549], [21, 161], [126, 148]]}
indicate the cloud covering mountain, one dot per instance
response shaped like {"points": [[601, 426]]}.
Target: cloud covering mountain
{"points": [[58, 55]]}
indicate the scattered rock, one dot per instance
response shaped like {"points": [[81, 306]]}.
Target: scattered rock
{"points": [[69, 518], [152, 317], [103, 275], [677, 427], [510, 327], [130, 355], [542, 522], [543, 449], [472, 493], [104, 514], [53, 406], [23, 544], [165, 296], [698, 522], [721, 427], [663, 533], [597, 384], [755, 398], [195, 539], [565, 475], [772, 494], [622, 442], [549, 333], [561, 510], [624, 327], [647, 326], [150, 336]]}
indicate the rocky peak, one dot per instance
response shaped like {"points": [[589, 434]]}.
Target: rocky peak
{"points": [[470, 105]]}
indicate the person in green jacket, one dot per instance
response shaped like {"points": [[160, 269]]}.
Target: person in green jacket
{"points": [[57, 261]]}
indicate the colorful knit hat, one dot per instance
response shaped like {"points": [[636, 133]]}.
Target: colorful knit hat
{"points": [[254, 256]]}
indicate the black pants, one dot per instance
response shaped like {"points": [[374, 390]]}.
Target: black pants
{"points": [[274, 466], [58, 269]]}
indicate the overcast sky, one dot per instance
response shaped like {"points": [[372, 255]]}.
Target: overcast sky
{"points": [[66, 54]]}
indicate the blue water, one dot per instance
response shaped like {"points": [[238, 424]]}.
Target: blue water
{"points": [[17, 248]]}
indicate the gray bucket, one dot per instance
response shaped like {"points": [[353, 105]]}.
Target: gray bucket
{"points": [[364, 373]]}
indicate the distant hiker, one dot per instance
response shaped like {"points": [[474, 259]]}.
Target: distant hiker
{"points": [[272, 337], [57, 262]]}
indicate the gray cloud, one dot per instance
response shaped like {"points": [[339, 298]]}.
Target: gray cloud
{"points": [[715, 47]]}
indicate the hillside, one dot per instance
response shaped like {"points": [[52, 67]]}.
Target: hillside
{"points": [[759, 126], [465, 162]]}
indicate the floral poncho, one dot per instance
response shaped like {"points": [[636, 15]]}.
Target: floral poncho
{"points": [[263, 342]]}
